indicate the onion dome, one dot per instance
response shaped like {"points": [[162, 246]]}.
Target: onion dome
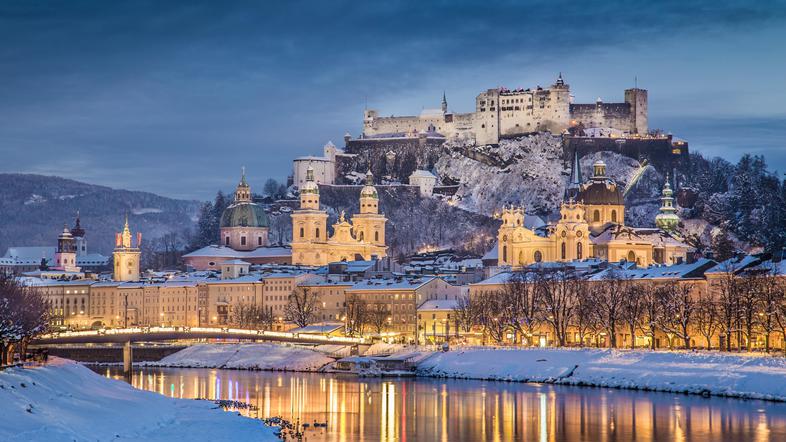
{"points": [[369, 191], [600, 189], [667, 219]]}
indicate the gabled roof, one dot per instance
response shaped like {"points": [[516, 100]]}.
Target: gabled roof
{"points": [[677, 271], [438, 304], [391, 284]]}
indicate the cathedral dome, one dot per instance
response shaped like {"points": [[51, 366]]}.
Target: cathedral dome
{"points": [[244, 215], [600, 190], [369, 191]]}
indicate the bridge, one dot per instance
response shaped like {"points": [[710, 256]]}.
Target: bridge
{"points": [[159, 334]]}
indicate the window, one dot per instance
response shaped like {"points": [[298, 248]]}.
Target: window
{"points": [[631, 256], [614, 216], [259, 241], [596, 216], [376, 236], [538, 256], [302, 232], [317, 232], [360, 237], [242, 240], [226, 241], [504, 253], [563, 252], [579, 250]]}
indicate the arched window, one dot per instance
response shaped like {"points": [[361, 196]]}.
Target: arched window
{"points": [[259, 241], [317, 232], [579, 250], [631, 256], [226, 240], [504, 253], [302, 232], [521, 258], [376, 236], [360, 236], [596, 216], [564, 251], [614, 216], [538, 256]]}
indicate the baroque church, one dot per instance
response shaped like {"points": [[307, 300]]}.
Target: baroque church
{"points": [[360, 238], [592, 225]]}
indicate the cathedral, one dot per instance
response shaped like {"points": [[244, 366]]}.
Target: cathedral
{"points": [[362, 237], [592, 225], [127, 255]]}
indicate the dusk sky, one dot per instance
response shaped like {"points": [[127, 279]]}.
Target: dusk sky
{"points": [[174, 98]]}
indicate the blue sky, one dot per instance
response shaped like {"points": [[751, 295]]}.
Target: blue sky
{"points": [[174, 97]]}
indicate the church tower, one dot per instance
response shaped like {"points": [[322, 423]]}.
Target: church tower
{"points": [[309, 225], [667, 219], [444, 103], [79, 237], [65, 257], [369, 224], [126, 255]]}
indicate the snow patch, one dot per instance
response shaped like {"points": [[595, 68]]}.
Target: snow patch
{"points": [[245, 357]]}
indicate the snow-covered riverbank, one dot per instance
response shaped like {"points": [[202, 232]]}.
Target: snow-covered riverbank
{"points": [[65, 401], [745, 376], [245, 357]]}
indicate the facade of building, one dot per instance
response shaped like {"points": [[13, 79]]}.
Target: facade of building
{"points": [[363, 237], [425, 181], [591, 225], [503, 112]]}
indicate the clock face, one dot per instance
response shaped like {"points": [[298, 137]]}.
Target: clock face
{"points": [[579, 233], [564, 233]]}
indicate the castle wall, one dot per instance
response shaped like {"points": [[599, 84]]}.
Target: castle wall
{"points": [[324, 170]]}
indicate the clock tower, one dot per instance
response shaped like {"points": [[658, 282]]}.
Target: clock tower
{"points": [[126, 255]]}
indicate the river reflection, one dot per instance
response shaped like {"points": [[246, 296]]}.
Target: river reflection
{"points": [[459, 410]]}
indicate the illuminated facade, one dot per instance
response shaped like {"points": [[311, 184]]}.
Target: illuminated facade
{"points": [[126, 255], [360, 238], [591, 224]]}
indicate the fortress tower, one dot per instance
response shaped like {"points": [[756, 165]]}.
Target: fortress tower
{"points": [[637, 99], [126, 255]]}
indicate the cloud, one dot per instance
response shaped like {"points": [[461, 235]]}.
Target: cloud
{"points": [[203, 87]]}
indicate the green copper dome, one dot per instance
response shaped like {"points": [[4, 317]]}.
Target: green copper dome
{"points": [[244, 215]]}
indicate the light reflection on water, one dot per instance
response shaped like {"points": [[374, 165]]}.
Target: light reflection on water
{"points": [[370, 409]]}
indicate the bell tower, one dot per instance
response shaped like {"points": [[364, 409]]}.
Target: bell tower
{"points": [[126, 255], [369, 224], [309, 226], [65, 257]]}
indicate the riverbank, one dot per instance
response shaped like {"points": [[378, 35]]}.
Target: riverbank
{"points": [[706, 373], [65, 401], [245, 357]]}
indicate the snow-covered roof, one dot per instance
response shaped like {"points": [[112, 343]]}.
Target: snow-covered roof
{"points": [[236, 262], [312, 158], [422, 174], [32, 256], [499, 278], [239, 280], [390, 284], [438, 304], [214, 251], [677, 271], [492, 254]]}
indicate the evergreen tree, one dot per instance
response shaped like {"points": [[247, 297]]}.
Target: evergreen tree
{"points": [[205, 234], [722, 246], [219, 205]]}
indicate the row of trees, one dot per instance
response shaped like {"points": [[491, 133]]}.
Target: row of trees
{"points": [[740, 308], [23, 315]]}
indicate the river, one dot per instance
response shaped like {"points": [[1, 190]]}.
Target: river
{"points": [[419, 409]]}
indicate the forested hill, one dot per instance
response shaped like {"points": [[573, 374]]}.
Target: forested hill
{"points": [[33, 209]]}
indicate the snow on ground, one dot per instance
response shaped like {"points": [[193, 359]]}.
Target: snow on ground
{"points": [[245, 356], [65, 401], [747, 376]]}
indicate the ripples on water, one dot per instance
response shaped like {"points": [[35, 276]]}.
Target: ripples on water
{"points": [[459, 410]]}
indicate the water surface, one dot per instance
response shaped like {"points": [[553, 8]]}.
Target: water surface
{"points": [[371, 409]]}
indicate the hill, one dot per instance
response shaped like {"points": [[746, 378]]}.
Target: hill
{"points": [[35, 207]]}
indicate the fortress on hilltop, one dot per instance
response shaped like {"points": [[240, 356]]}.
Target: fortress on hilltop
{"points": [[502, 112]]}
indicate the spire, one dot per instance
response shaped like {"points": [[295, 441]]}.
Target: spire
{"points": [[560, 81], [78, 231], [444, 103], [667, 219], [243, 176], [575, 174], [369, 178]]}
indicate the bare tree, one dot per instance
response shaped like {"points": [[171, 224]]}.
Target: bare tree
{"points": [[749, 306], [679, 308], [302, 306], [521, 308], [466, 313], [491, 316], [251, 316], [706, 317], [23, 315], [651, 311], [609, 298], [585, 319], [355, 315], [633, 309], [728, 288], [557, 291], [378, 316], [771, 296]]}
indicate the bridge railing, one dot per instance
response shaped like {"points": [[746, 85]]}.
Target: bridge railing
{"points": [[212, 331]]}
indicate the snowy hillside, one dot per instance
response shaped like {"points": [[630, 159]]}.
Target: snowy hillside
{"points": [[246, 356], [65, 401]]}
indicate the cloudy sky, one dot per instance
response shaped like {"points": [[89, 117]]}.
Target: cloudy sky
{"points": [[174, 97]]}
